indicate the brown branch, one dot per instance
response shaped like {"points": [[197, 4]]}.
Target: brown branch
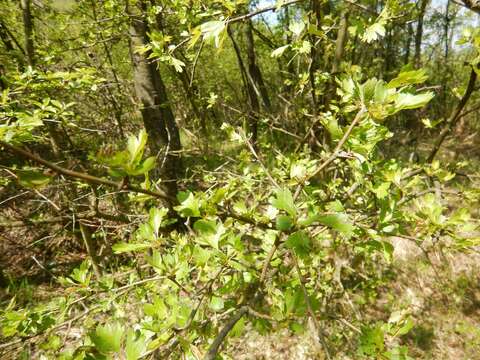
{"points": [[82, 176], [58, 219], [473, 5], [452, 121], [217, 342]]}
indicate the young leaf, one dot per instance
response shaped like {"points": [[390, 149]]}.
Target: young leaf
{"points": [[214, 30], [107, 338], [374, 32], [279, 52], [405, 101], [136, 146], [135, 345], [339, 222], [284, 223], [189, 205], [296, 28], [408, 78], [299, 242], [284, 201]]}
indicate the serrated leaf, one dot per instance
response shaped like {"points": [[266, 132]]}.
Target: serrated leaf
{"points": [[284, 223], [135, 345], [189, 205], [405, 101], [374, 32], [296, 28], [284, 201], [107, 338], [205, 226], [299, 242], [408, 78]]}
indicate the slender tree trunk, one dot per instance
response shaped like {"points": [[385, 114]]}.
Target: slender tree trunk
{"points": [[254, 104], [157, 114], [406, 59], [419, 34], [117, 108], [28, 29], [446, 29], [254, 72], [290, 66], [340, 42]]}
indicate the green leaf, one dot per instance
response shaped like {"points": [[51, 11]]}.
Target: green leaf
{"points": [[374, 32], [405, 328], [107, 338], [239, 327], [296, 28], [371, 340], [214, 30], [156, 217], [279, 52], [408, 78], [405, 101], [119, 248], [339, 222], [299, 242], [135, 345], [284, 201], [144, 167], [284, 223], [189, 205], [136, 146], [210, 232], [205, 226], [216, 304], [32, 178]]}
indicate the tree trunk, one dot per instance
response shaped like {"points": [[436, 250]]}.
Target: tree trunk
{"points": [[250, 90], [406, 60], [290, 67], [28, 29], [254, 73], [157, 114], [340, 42], [419, 34]]}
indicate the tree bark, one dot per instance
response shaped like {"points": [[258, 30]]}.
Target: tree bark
{"points": [[250, 90], [157, 114], [419, 34], [254, 72], [473, 5], [408, 43], [28, 29]]}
